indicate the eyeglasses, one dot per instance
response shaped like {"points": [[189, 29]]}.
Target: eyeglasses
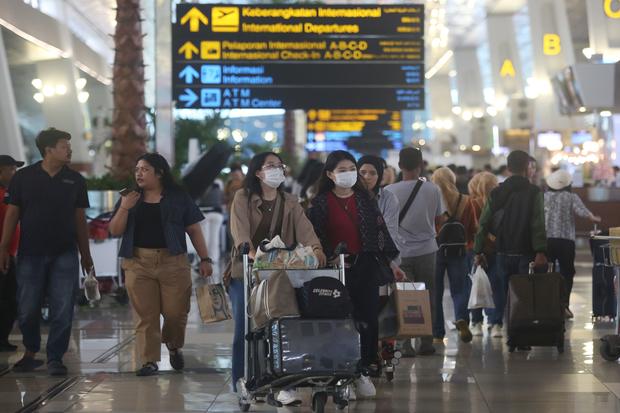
{"points": [[273, 166]]}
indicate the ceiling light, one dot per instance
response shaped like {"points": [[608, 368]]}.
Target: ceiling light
{"points": [[462, 147], [61, 89], [531, 92], [48, 90], [452, 73], [476, 148], [37, 83], [583, 109], [447, 154], [448, 124], [422, 142], [478, 114], [39, 97], [605, 113], [83, 97], [491, 111], [467, 115], [430, 124], [80, 83], [588, 52], [237, 135], [457, 110]]}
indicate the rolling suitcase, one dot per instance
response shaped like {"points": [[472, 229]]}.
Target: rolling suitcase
{"points": [[536, 310], [603, 294]]}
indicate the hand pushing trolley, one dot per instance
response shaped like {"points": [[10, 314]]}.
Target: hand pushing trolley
{"points": [[294, 352]]}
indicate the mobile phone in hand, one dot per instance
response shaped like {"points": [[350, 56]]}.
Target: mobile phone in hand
{"points": [[126, 191]]}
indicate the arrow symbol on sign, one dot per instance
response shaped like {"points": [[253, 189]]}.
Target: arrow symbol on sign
{"points": [[194, 17], [189, 98], [189, 73], [188, 49]]}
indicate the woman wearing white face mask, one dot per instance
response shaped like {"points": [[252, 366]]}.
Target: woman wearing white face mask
{"points": [[343, 211], [253, 209]]}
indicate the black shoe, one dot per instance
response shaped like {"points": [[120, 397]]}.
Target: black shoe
{"points": [[407, 349], [55, 368], [27, 364], [5, 346], [149, 369], [176, 359]]}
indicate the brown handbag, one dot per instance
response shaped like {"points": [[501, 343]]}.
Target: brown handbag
{"points": [[272, 298]]}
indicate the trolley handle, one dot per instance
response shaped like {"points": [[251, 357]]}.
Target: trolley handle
{"points": [[244, 249]]}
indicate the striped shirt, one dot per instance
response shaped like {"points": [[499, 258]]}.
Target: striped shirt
{"points": [[560, 210]]}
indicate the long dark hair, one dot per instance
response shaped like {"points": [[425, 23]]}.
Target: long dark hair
{"points": [[378, 163], [162, 168], [252, 182], [334, 158]]}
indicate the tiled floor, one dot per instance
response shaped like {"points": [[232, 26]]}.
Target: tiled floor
{"points": [[477, 377]]}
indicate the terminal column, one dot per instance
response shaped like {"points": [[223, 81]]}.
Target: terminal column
{"points": [[11, 142]]}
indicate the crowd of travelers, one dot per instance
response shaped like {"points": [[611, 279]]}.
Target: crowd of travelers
{"points": [[387, 219]]}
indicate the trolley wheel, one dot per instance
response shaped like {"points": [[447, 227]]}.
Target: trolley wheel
{"points": [[607, 352], [121, 296], [244, 406], [389, 376], [318, 402]]}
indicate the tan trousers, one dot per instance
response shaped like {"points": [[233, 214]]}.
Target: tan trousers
{"points": [[158, 283]]}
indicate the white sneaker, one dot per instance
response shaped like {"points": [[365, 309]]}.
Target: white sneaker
{"points": [[287, 397], [352, 394], [476, 329], [496, 331], [365, 387]]}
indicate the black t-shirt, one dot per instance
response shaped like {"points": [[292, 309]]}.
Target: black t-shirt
{"points": [[47, 208], [149, 231]]}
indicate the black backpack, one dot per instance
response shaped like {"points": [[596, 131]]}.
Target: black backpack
{"points": [[323, 297], [451, 238]]}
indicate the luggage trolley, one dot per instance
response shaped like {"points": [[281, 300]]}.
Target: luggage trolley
{"points": [[259, 380], [610, 344]]}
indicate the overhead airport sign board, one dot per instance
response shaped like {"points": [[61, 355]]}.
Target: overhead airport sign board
{"points": [[298, 56], [352, 120]]}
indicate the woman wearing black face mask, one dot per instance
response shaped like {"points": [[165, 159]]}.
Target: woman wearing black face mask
{"points": [[343, 211], [261, 210]]}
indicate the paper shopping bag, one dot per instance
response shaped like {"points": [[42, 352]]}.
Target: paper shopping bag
{"points": [[407, 313], [212, 303]]}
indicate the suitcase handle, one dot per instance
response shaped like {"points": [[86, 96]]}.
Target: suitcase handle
{"points": [[550, 267]]}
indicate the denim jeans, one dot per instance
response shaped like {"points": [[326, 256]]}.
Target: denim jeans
{"points": [[235, 292], [457, 270], [494, 315], [55, 278], [509, 265]]}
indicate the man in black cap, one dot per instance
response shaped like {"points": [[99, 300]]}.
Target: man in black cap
{"points": [[49, 201], [8, 283]]}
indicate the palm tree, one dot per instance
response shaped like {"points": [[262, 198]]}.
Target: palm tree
{"points": [[129, 133]]}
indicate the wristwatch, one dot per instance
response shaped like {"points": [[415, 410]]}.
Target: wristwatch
{"points": [[207, 259]]}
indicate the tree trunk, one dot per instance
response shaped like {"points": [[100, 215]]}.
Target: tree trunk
{"points": [[129, 134]]}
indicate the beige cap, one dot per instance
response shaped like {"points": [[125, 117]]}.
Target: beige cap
{"points": [[559, 179]]}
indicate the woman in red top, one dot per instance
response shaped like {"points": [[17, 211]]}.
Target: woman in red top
{"points": [[479, 189], [343, 211]]}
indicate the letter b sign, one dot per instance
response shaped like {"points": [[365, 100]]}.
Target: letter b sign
{"points": [[551, 44]]}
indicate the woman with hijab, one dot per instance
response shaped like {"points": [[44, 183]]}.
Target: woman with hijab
{"points": [[454, 266]]}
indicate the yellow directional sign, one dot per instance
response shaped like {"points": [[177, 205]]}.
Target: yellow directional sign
{"points": [[225, 19], [210, 50], [189, 50], [609, 11], [508, 69], [194, 17]]}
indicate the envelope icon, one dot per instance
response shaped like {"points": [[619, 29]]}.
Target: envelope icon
{"points": [[225, 19]]}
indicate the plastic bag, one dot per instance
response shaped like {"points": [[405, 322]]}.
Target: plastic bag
{"points": [[276, 255], [481, 295], [91, 287]]}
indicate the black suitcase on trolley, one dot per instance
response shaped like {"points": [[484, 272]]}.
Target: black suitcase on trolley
{"points": [[603, 293], [536, 311]]}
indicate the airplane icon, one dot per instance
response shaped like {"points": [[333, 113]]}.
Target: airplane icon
{"points": [[225, 19]]}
